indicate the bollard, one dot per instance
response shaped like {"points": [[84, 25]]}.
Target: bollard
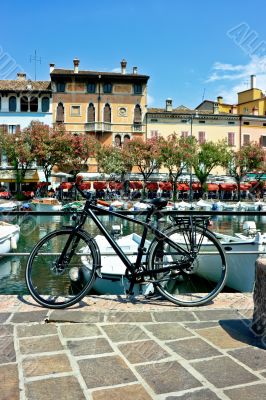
{"points": [[259, 315]]}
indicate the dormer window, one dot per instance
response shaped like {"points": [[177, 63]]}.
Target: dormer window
{"points": [[91, 87], [107, 88], [61, 87]]}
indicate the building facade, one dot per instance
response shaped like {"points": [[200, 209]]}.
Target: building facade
{"points": [[111, 106]]}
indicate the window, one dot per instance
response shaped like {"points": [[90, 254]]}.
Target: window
{"points": [[60, 113], [231, 123], [154, 120], [61, 87], [231, 138], [12, 128], [201, 137], [201, 122], [263, 141], [154, 134], [137, 115], [246, 139], [33, 104], [264, 124], [45, 104], [117, 141], [107, 113], [24, 104], [107, 88], [184, 134], [91, 113], [12, 104], [246, 123], [75, 111], [184, 121], [91, 87], [126, 139], [137, 88]]}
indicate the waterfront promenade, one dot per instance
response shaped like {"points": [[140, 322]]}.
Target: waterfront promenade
{"points": [[109, 348]]}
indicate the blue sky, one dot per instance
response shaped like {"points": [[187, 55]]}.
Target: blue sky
{"points": [[190, 49]]}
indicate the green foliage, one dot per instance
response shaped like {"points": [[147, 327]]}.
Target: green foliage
{"points": [[113, 160]]}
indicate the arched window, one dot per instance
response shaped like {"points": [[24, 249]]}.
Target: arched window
{"points": [[117, 141], [126, 138], [45, 104], [107, 113], [33, 104], [137, 114], [24, 105], [91, 113], [12, 104], [60, 113]]}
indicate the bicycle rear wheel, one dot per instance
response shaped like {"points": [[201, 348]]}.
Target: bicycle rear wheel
{"points": [[55, 285], [204, 275]]}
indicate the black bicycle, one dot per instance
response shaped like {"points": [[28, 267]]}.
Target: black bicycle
{"points": [[184, 262]]}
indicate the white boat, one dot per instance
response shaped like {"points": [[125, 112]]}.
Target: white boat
{"points": [[47, 204], [9, 235], [113, 279], [9, 267], [7, 205]]}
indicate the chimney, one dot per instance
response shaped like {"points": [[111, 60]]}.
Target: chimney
{"points": [[21, 76], [216, 108], [255, 110], [169, 105], [135, 70], [76, 65], [123, 66], [253, 81], [51, 67], [220, 100], [234, 109]]}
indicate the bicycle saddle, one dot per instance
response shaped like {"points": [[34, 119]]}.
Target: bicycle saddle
{"points": [[159, 203]]}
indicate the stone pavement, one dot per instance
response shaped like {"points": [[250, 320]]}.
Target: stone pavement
{"points": [[110, 348]]}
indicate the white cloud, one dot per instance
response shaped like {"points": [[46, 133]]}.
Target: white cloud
{"points": [[150, 100], [236, 78], [116, 70]]}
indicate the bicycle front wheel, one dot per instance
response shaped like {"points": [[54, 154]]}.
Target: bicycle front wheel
{"points": [[59, 285], [192, 278]]}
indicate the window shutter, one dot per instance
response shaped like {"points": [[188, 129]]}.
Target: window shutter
{"points": [[60, 113], [137, 114], [246, 140], [17, 128], [184, 134], [91, 113], [231, 138], [201, 137], [107, 113], [154, 134]]}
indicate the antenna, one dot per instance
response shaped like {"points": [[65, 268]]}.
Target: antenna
{"points": [[35, 60], [203, 94]]}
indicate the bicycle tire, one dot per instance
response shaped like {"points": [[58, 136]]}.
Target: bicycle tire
{"points": [[57, 289], [202, 280]]}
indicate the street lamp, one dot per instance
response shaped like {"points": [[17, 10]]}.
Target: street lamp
{"points": [[196, 115]]}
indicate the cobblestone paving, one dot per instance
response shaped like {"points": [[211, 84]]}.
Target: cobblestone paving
{"points": [[101, 350]]}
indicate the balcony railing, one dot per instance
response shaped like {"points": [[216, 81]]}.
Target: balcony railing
{"points": [[98, 127], [137, 128]]}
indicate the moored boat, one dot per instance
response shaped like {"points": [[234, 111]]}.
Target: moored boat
{"points": [[46, 204], [9, 235]]}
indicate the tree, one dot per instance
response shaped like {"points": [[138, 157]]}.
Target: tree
{"points": [[176, 154], [144, 155], [248, 159], [20, 150], [53, 147], [83, 147], [208, 156]]}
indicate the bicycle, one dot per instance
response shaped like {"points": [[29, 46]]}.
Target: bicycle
{"points": [[185, 262]]}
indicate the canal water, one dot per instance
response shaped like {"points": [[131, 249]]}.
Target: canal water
{"points": [[33, 228]]}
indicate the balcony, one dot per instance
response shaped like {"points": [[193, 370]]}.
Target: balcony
{"points": [[98, 127], [137, 128]]}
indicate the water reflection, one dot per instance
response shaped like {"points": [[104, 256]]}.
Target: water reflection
{"points": [[33, 228]]}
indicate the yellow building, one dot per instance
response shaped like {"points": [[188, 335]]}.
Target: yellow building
{"points": [[206, 125], [109, 105]]}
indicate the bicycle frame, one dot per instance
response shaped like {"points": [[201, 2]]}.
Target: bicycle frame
{"points": [[147, 226]]}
